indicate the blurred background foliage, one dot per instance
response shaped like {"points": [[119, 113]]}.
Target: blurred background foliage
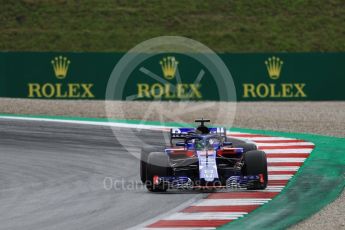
{"points": [[225, 26]]}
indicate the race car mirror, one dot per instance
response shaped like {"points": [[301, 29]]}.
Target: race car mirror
{"points": [[225, 143], [181, 143]]}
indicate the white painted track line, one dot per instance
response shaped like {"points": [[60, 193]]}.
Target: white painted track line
{"points": [[282, 168], [206, 216], [286, 144], [299, 159], [292, 151], [222, 202]]}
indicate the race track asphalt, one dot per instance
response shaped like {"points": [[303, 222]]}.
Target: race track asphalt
{"points": [[52, 177]]}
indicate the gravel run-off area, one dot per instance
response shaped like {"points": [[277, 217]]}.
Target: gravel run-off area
{"points": [[325, 118]]}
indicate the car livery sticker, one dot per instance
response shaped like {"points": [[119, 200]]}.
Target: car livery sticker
{"points": [[207, 165]]}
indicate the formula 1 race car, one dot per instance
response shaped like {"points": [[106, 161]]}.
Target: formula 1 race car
{"points": [[203, 157]]}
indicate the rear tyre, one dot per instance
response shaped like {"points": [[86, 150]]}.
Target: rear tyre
{"points": [[255, 163], [246, 147], [157, 166]]}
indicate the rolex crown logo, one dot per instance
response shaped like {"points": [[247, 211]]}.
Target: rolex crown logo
{"points": [[60, 66], [274, 66], [169, 66]]}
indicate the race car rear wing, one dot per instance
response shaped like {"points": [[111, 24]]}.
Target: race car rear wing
{"points": [[183, 133]]}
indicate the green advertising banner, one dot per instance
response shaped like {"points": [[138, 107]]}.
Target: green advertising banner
{"points": [[170, 76]]}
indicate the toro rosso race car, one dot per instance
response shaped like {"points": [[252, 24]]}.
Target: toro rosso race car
{"points": [[203, 157]]}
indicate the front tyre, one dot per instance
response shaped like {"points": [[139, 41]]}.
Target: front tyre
{"points": [[255, 163], [157, 166], [143, 160]]}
